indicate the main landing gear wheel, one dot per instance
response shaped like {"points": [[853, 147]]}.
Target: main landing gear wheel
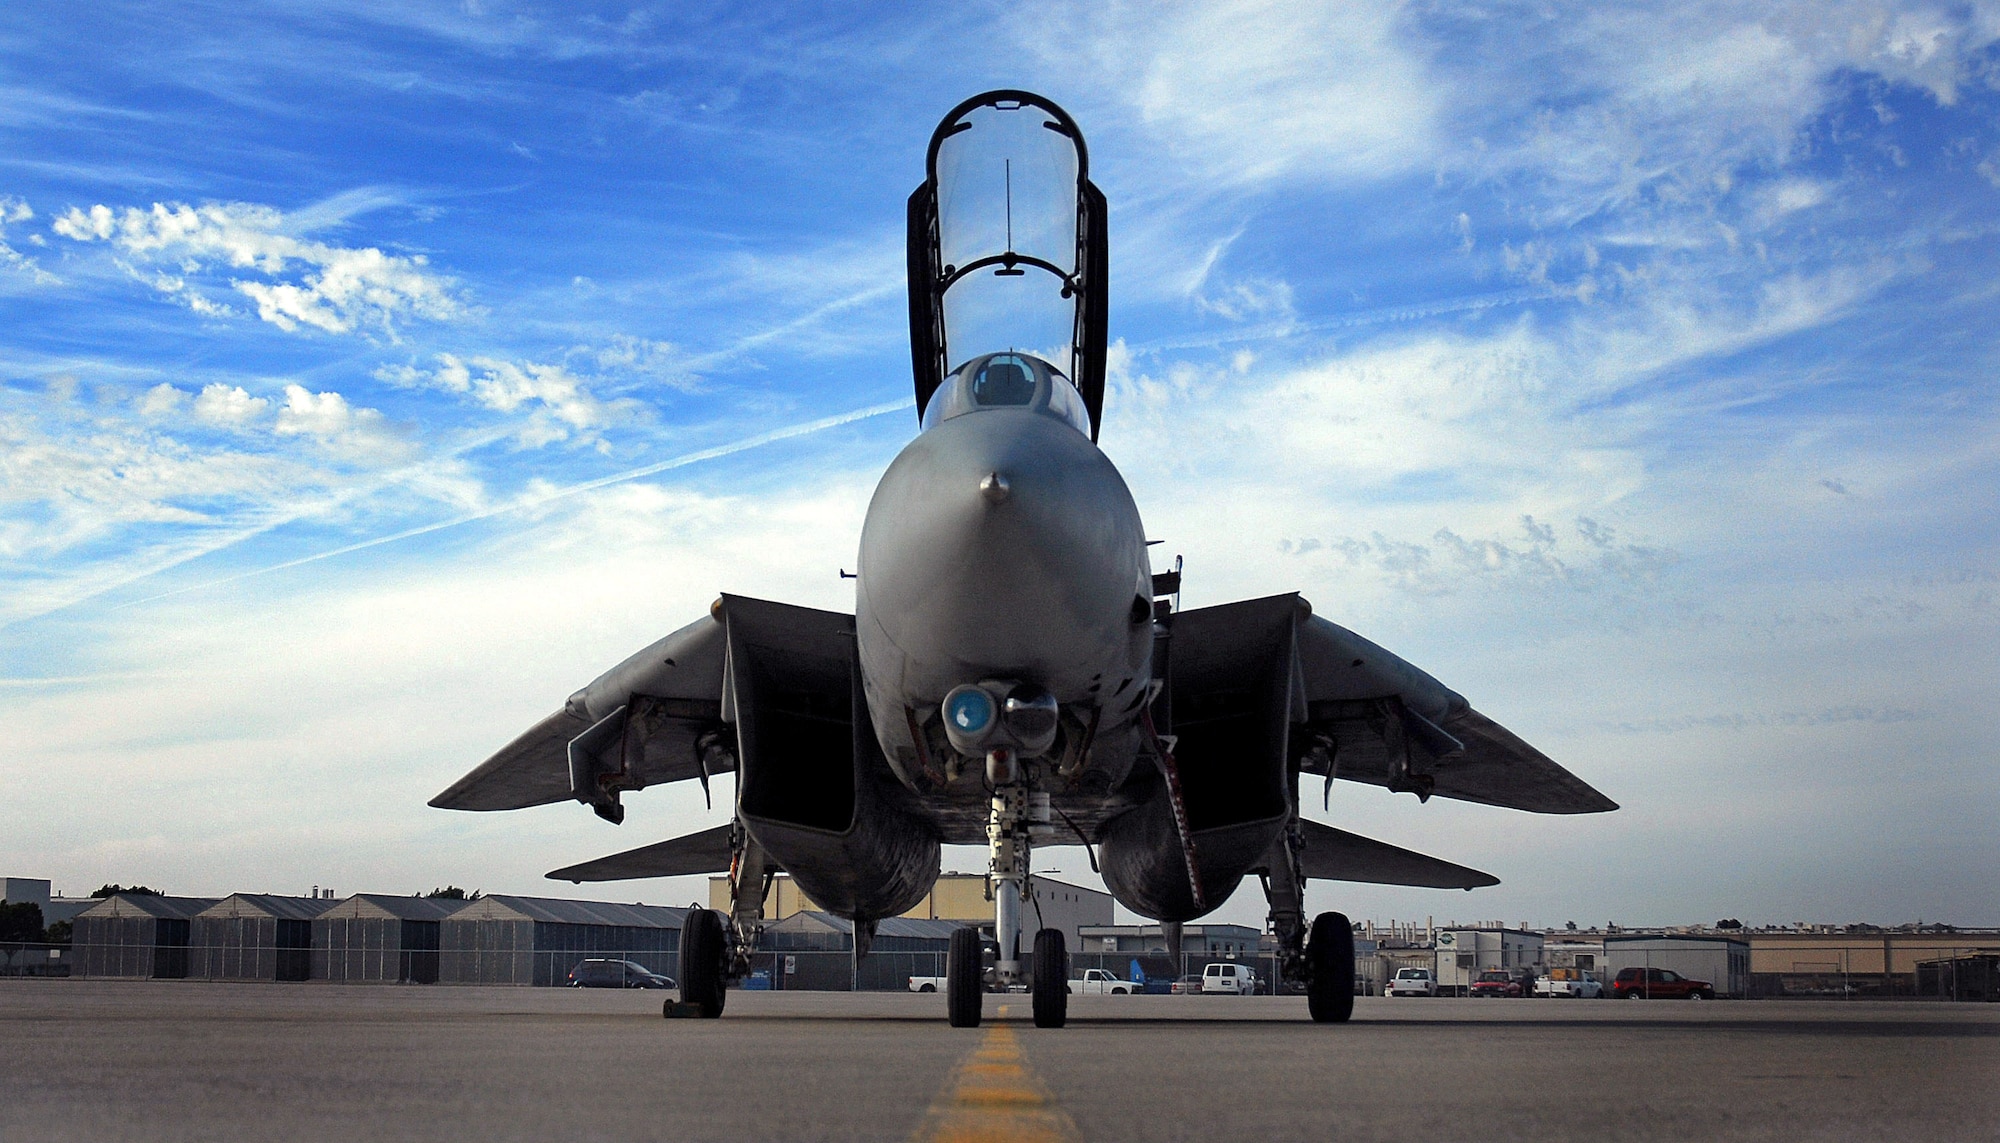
{"points": [[704, 953], [1051, 979], [1330, 969], [962, 972]]}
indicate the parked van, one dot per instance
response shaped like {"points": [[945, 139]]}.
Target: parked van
{"points": [[1236, 978]]}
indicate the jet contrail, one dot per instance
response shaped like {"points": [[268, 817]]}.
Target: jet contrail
{"points": [[681, 461]]}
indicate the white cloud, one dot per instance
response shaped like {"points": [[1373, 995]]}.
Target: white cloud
{"points": [[1243, 91], [229, 406], [560, 404], [14, 211], [300, 282]]}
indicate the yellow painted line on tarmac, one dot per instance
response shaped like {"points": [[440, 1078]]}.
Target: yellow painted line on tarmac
{"points": [[993, 1095]]}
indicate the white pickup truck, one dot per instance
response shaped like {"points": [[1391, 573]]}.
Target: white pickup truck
{"points": [[1411, 982], [1102, 983], [1570, 983]]}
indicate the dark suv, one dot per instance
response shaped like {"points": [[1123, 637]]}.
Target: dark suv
{"points": [[606, 973], [1658, 984]]}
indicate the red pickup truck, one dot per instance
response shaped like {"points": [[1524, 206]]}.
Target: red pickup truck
{"points": [[1659, 984]]}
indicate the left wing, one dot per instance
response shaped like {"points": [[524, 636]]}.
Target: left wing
{"points": [[1381, 720], [1336, 855]]}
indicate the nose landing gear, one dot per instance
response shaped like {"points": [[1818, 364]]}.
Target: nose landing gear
{"points": [[1017, 816]]}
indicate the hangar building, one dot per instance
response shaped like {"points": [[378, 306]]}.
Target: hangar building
{"points": [[961, 899], [255, 936], [816, 950], [537, 940], [375, 938], [135, 935]]}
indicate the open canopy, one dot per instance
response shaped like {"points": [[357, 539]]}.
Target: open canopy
{"points": [[1007, 246]]}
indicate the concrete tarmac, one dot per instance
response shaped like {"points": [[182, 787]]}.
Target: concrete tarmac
{"points": [[165, 1061]]}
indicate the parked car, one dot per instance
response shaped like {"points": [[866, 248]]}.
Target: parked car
{"points": [[1658, 984], [1570, 983], [602, 972], [1233, 979], [1412, 982], [1096, 980], [1496, 982], [1188, 985]]}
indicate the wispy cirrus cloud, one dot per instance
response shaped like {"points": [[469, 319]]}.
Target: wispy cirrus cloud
{"points": [[14, 211], [188, 253], [558, 404]]}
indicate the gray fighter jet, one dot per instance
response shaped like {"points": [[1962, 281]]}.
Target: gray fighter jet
{"points": [[1015, 674]]}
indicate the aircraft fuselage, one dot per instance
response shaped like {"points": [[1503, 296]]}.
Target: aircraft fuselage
{"points": [[1002, 546]]}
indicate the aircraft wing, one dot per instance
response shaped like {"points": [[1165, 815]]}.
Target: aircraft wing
{"points": [[639, 724], [1386, 722], [530, 771], [1336, 855], [704, 852]]}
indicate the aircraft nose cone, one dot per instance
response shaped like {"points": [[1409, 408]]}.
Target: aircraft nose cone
{"points": [[1003, 544]]}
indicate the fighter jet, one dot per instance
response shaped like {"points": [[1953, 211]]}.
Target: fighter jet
{"points": [[1015, 674]]}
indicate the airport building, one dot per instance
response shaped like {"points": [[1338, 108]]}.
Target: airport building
{"points": [[814, 950], [1462, 954], [961, 899], [254, 936], [375, 938], [37, 891], [537, 940], [135, 935], [1722, 961], [1862, 960]]}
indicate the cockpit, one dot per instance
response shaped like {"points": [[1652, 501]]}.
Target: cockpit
{"points": [[1008, 381], [1007, 265]]}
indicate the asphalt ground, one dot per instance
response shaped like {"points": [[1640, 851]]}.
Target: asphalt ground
{"points": [[164, 1061]]}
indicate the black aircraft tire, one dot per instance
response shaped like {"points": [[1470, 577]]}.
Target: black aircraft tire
{"points": [[1330, 968], [962, 971], [1051, 979], [703, 952]]}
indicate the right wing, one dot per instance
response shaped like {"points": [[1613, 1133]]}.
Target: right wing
{"points": [[704, 852], [653, 718]]}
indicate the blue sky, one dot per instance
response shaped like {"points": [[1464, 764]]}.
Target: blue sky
{"points": [[1630, 369]]}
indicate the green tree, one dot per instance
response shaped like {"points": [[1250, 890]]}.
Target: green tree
{"points": [[21, 922], [453, 893], [113, 889]]}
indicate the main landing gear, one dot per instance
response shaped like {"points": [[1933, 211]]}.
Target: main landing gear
{"points": [[1322, 960], [1330, 969], [1017, 817], [704, 962]]}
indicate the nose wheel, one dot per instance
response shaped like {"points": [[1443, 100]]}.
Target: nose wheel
{"points": [[1016, 817]]}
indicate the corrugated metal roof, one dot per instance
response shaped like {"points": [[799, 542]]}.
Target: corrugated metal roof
{"points": [[147, 905], [376, 905], [502, 907], [268, 905]]}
